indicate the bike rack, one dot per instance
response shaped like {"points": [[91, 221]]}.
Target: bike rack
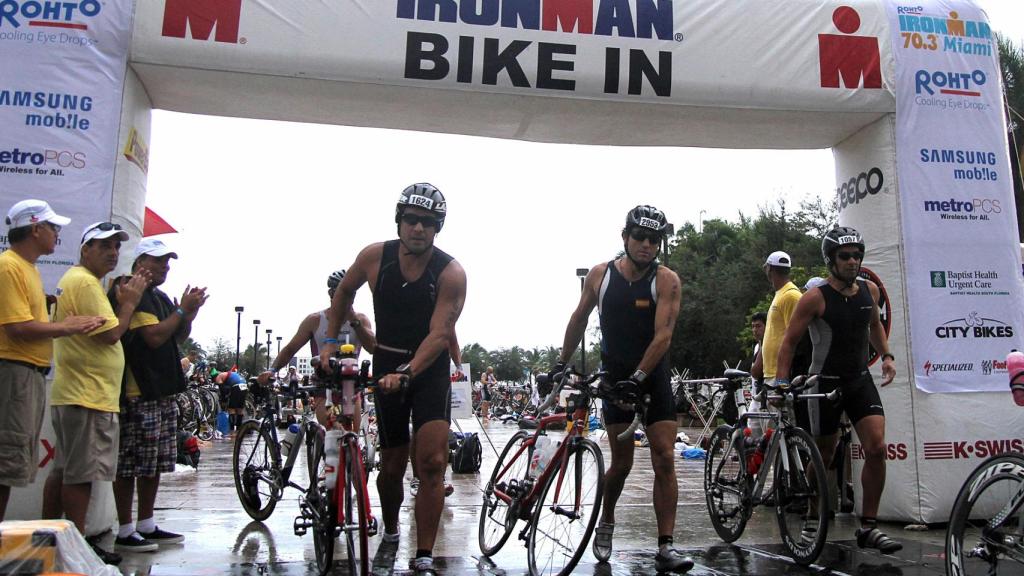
{"points": [[710, 420]]}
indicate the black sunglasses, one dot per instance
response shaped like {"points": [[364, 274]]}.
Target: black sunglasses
{"points": [[844, 256], [426, 221], [641, 235], [102, 227]]}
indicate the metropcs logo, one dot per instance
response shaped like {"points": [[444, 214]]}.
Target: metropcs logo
{"points": [[860, 187], [974, 209], [48, 13], [201, 17], [974, 326], [41, 162]]}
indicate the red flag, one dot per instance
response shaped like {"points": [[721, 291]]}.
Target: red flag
{"points": [[154, 225]]}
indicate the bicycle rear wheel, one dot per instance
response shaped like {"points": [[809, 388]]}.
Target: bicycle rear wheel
{"points": [[497, 517], [255, 475], [356, 538], [801, 497], [726, 483], [986, 530], [566, 512]]}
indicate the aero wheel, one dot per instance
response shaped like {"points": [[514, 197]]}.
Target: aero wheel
{"points": [[567, 510], [322, 504], [986, 528], [801, 497], [726, 484], [498, 517], [355, 503], [255, 475]]}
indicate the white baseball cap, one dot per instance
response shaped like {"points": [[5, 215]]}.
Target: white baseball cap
{"points": [[28, 212], [101, 230], [814, 282], [779, 258], [153, 247]]}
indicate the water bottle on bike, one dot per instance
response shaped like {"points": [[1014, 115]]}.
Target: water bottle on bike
{"points": [[757, 458]]}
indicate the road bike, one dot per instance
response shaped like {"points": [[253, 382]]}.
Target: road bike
{"points": [[735, 480], [337, 502], [559, 499]]}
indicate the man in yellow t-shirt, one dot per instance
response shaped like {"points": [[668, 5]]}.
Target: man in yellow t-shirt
{"points": [[85, 399], [776, 269], [26, 340]]}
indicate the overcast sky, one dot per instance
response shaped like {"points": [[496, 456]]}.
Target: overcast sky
{"points": [[266, 210]]}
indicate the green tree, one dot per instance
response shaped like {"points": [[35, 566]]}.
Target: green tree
{"points": [[1011, 63], [253, 365], [221, 353]]}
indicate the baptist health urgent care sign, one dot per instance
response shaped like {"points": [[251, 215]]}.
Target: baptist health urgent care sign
{"points": [[956, 196], [61, 75]]}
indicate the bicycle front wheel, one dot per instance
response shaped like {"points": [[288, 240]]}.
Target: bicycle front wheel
{"points": [[986, 527], [322, 505], [726, 484], [498, 517], [254, 471], [565, 514], [801, 497], [355, 502]]}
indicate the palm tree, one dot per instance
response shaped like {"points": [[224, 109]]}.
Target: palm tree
{"points": [[1011, 62]]}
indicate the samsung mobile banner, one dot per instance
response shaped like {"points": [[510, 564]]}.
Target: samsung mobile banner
{"points": [[61, 80]]}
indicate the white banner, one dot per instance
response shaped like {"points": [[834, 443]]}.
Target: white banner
{"points": [[62, 74], [959, 225], [462, 393]]}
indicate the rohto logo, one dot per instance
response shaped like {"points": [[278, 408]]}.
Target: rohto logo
{"points": [[48, 13], [848, 57], [200, 17]]}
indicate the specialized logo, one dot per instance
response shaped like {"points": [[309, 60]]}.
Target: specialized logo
{"points": [[961, 449], [937, 367], [845, 60], [200, 17], [860, 187], [48, 13], [974, 326], [644, 19], [949, 82]]}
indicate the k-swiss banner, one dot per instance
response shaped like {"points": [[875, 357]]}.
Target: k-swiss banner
{"points": [[61, 78], [963, 265]]}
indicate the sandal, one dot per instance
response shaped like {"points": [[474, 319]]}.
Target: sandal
{"points": [[603, 541], [875, 538]]}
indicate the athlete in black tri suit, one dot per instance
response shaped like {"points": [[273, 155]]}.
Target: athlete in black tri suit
{"points": [[418, 294], [638, 302], [845, 311]]}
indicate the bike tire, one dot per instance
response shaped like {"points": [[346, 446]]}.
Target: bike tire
{"points": [[252, 460], [984, 496], [726, 484], [497, 517], [355, 528], [801, 497], [557, 540], [322, 503]]}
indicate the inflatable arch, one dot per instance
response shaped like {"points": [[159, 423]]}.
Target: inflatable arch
{"points": [[907, 94]]}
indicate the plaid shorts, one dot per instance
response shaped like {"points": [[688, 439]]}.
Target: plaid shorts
{"points": [[149, 437]]}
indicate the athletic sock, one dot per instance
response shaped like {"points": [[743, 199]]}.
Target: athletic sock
{"points": [[146, 526], [125, 530]]}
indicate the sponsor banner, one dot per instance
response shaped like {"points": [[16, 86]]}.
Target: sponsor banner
{"points": [[956, 199], [462, 393], [60, 127], [790, 56]]}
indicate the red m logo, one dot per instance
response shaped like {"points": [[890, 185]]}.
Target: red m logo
{"points": [[848, 57], [200, 16]]}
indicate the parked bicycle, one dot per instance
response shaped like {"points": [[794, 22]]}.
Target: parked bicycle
{"points": [[555, 486], [198, 407], [735, 478]]}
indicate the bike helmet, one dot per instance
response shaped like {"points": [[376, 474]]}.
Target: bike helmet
{"points": [[423, 195], [836, 237], [334, 280], [648, 217]]}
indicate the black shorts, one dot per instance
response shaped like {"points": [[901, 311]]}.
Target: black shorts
{"points": [[236, 397], [662, 406], [428, 398], [859, 399], [485, 393]]}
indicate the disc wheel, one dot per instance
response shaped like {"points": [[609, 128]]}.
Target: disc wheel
{"points": [[801, 497], [726, 484], [567, 510], [985, 534], [498, 517], [255, 475]]}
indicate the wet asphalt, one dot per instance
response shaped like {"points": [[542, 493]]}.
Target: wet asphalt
{"points": [[222, 539]]}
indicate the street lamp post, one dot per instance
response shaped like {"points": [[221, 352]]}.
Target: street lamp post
{"points": [[238, 332], [268, 347], [701, 218], [255, 343], [582, 273], [278, 345]]}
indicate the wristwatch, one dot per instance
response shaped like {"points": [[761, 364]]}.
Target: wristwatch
{"points": [[404, 369], [355, 323], [889, 356]]}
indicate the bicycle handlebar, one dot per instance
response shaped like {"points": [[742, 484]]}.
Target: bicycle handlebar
{"points": [[561, 381], [801, 383]]}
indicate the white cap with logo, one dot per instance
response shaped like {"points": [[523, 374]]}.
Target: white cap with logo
{"points": [[101, 230], [28, 212], [153, 247], [779, 258]]}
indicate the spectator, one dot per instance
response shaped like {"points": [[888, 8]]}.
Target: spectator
{"points": [[188, 362], [776, 269], [149, 413], [487, 387], [26, 340], [757, 324], [87, 386]]}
